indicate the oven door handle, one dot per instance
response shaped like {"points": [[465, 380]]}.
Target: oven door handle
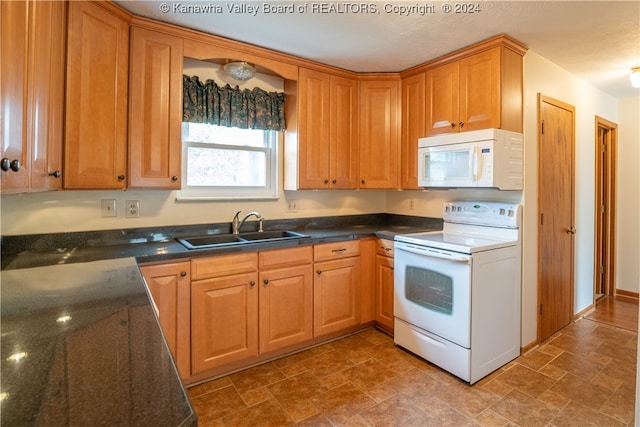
{"points": [[431, 252]]}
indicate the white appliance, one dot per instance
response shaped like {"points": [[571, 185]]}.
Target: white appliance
{"points": [[457, 291], [490, 158]]}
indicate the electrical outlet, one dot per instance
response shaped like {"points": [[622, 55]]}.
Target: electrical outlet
{"points": [[411, 205], [132, 208], [108, 207], [292, 206]]}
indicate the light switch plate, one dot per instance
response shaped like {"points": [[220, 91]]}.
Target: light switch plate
{"points": [[108, 208]]}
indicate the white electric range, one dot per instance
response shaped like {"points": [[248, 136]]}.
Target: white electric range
{"points": [[457, 291]]}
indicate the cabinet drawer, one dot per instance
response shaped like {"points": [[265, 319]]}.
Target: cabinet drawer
{"points": [[223, 265], [285, 257], [327, 251], [385, 247]]}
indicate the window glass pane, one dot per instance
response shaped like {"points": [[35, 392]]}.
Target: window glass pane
{"points": [[215, 167], [200, 132]]}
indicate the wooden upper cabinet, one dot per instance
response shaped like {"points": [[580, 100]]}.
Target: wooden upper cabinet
{"points": [[327, 129], [379, 145], [97, 96], [313, 129], [155, 109], [413, 127], [478, 91], [32, 56]]}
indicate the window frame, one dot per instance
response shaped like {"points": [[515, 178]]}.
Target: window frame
{"points": [[269, 191]]}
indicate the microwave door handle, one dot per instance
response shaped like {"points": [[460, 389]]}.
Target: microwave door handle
{"points": [[474, 163]]}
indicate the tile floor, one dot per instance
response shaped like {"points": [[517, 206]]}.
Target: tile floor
{"points": [[583, 375]]}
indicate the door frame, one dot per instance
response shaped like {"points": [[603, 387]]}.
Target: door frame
{"points": [[607, 223]]}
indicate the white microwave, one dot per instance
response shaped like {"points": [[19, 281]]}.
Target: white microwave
{"points": [[488, 158]]}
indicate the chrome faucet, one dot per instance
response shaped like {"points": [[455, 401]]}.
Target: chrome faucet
{"points": [[237, 223]]}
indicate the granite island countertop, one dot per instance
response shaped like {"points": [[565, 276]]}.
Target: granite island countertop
{"points": [[81, 345]]}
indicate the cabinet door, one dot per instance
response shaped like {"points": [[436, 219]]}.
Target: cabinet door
{"points": [[384, 292], [413, 127], [13, 69], [96, 104], [286, 307], [224, 320], [480, 97], [379, 134], [343, 141], [155, 109], [336, 296], [442, 95], [313, 130], [170, 288]]}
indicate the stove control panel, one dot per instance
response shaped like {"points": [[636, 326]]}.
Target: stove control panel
{"points": [[494, 214]]}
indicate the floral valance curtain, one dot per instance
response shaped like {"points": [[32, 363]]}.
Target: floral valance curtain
{"points": [[232, 107]]}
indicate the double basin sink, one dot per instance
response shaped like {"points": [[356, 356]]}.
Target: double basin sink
{"points": [[219, 240]]}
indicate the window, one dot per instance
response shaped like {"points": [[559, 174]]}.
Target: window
{"points": [[228, 163]]}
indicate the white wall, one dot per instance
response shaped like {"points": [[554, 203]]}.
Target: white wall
{"points": [[542, 76], [628, 200]]}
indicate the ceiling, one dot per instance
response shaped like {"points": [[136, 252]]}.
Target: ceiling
{"points": [[599, 41]]}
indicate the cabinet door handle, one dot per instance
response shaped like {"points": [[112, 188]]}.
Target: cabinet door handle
{"points": [[174, 178], [183, 274], [318, 272], [334, 181], [252, 283], [55, 174], [326, 181], [266, 281], [15, 165], [453, 125], [461, 124], [120, 177], [362, 181]]}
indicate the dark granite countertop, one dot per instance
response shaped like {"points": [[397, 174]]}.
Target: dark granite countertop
{"points": [[81, 345], [159, 243]]}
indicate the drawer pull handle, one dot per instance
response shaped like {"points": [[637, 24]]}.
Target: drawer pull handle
{"points": [[183, 274], [339, 251], [386, 249]]}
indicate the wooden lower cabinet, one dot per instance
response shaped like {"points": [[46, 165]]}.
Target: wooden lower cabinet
{"points": [[384, 285], [336, 286], [224, 320], [170, 288]]}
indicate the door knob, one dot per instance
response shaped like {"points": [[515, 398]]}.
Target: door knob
{"points": [[571, 230]]}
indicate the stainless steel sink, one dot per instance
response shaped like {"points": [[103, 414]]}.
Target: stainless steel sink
{"points": [[219, 240]]}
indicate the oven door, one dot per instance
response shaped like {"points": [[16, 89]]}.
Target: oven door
{"points": [[433, 291]]}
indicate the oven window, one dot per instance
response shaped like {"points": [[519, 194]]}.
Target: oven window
{"points": [[429, 289]]}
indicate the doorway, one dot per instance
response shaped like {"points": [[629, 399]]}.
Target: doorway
{"points": [[604, 209], [556, 206]]}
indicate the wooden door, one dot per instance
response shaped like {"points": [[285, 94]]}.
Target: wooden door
{"points": [[286, 307], [170, 288], [224, 320], [313, 130], [413, 127], [336, 298], [97, 96], [605, 207], [155, 110], [343, 133], [442, 99], [384, 292], [480, 96], [379, 134], [14, 42], [556, 215]]}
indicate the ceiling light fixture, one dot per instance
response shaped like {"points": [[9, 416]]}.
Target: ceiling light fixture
{"points": [[240, 70], [635, 76]]}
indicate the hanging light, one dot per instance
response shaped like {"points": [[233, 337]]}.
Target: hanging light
{"points": [[240, 70], [635, 76]]}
